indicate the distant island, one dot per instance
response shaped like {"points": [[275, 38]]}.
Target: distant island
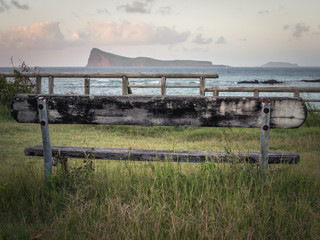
{"points": [[99, 58], [279, 64]]}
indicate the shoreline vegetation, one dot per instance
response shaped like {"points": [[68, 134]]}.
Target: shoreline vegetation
{"points": [[158, 200]]}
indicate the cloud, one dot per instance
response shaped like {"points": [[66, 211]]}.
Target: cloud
{"points": [[4, 6], [298, 30], [46, 35], [20, 6], [243, 40], [317, 32], [127, 33], [199, 39], [264, 12], [221, 40], [103, 11], [165, 10], [137, 7], [285, 27]]}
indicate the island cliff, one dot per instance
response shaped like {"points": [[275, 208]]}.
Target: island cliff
{"points": [[100, 58]]}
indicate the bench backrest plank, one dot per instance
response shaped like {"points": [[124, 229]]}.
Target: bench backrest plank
{"points": [[244, 112]]}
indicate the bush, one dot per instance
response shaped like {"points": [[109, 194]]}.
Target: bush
{"points": [[19, 84]]}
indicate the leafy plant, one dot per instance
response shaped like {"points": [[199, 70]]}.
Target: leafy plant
{"points": [[71, 177], [19, 84]]}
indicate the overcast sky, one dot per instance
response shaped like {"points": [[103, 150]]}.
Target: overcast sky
{"points": [[232, 32]]}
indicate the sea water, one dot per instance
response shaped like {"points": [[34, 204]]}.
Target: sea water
{"points": [[228, 76]]}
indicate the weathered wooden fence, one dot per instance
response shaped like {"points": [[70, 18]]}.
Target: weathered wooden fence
{"points": [[127, 87], [257, 90]]}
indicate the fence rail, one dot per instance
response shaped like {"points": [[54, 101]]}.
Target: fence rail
{"points": [[127, 87], [257, 90]]}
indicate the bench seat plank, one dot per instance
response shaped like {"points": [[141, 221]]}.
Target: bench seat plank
{"points": [[159, 155], [197, 111]]}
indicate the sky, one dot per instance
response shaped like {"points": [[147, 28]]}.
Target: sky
{"points": [[231, 32]]}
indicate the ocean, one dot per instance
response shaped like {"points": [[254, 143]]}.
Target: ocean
{"points": [[228, 76]]}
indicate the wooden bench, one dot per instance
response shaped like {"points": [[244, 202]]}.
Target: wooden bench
{"points": [[195, 111]]}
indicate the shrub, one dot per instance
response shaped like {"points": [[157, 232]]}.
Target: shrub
{"points": [[19, 84]]}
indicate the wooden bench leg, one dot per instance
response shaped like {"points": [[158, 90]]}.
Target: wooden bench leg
{"points": [[265, 128], [43, 118]]}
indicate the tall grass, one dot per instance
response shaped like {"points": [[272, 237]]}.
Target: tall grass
{"points": [[158, 200], [313, 115]]}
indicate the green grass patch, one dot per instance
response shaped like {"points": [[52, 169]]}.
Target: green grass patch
{"points": [[161, 200]]}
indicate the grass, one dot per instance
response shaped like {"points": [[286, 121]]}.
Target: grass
{"points": [[162, 200]]}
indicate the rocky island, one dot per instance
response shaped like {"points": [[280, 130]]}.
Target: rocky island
{"points": [[99, 58], [279, 64], [271, 81]]}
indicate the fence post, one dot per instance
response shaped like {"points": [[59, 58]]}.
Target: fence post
{"points": [[256, 93], [215, 93], [264, 138], [38, 85], [51, 84], [47, 151], [87, 86], [163, 86], [202, 86], [125, 84], [296, 94]]}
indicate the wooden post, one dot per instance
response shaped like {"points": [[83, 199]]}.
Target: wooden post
{"points": [[296, 94], [163, 86], [87, 86], [129, 88], [265, 129], [202, 86], [256, 93], [38, 85], [216, 93], [44, 124], [51, 84], [125, 84]]}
